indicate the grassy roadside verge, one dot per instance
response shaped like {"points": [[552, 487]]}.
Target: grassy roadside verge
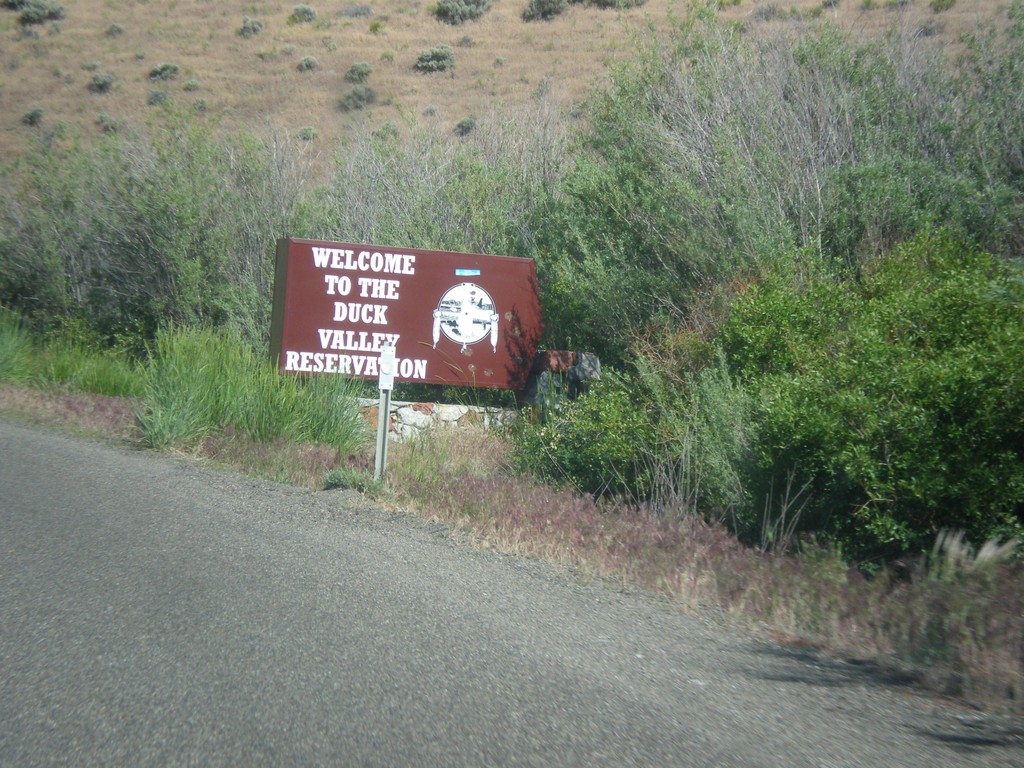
{"points": [[952, 622]]}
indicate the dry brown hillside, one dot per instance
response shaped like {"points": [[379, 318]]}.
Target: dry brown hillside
{"points": [[97, 64]]}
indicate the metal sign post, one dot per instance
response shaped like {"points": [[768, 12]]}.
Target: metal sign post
{"points": [[386, 384]]}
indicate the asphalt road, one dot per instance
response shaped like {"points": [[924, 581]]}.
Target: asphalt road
{"points": [[153, 612]]}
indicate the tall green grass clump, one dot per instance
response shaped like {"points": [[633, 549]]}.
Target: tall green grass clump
{"points": [[15, 347], [67, 362], [64, 359], [201, 381]]}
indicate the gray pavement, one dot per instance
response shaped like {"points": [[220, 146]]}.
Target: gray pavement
{"points": [[153, 612]]}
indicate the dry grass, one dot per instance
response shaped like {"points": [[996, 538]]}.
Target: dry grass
{"points": [[86, 414], [953, 624], [254, 82]]}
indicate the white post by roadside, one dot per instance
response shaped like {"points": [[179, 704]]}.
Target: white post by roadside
{"points": [[386, 384]]}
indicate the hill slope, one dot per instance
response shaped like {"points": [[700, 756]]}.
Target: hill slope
{"points": [[100, 63]]}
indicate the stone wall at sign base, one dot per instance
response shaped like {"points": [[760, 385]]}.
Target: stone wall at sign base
{"points": [[411, 419]]}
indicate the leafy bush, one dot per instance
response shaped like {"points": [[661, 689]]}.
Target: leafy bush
{"points": [[174, 236], [165, 71], [598, 443], [302, 14], [307, 64], [387, 132], [156, 97], [710, 155], [938, 6], [459, 11], [115, 30], [250, 27], [544, 9], [101, 82], [355, 11], [39, 12], [33, 117], [436, 59], [359, 97], [465, 126], [359, 72], [894, 398]]}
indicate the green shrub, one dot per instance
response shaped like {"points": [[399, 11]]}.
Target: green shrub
{"points": [[894, 398], [307, 64], [156, 97], [359, 97], [460, 11], [101, 82], [359, 72], [39, 12], [250, 27], [165, 71], [599, 443], [192, 85], [115, 30], [172, 238], [938, 6], [302, 14], [107, 123], [307, 134], [543, 10], [355, 11], [436, 59], [33, 117], [387, 132], [465, 126]]}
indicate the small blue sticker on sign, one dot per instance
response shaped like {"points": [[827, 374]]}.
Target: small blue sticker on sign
{"points": [[466, 272]]}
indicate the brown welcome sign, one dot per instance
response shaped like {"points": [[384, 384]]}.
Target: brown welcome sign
{"points": [[453, 318]]}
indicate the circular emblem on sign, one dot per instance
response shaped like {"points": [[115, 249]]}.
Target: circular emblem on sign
{"points": [[465, 314]]}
